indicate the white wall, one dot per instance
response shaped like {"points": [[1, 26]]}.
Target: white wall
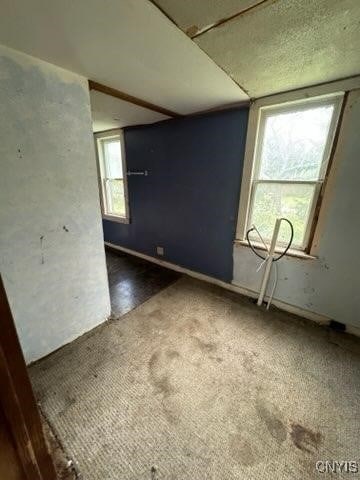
{"points": [[330, 284], [51, 245]]}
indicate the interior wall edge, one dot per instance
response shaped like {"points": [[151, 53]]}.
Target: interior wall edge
{"points": [[53, 259]]}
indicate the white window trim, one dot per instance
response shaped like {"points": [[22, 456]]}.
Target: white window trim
{"points": [[253, 135], [101, 174]]}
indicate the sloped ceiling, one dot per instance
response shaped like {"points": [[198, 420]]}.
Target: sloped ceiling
{"points": [[278, 45], [265, 46], [128, 45]]}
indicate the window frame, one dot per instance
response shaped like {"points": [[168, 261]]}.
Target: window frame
{"points": [[256, 128], [102, 174]]}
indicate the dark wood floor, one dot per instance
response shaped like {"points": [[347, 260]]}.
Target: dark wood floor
{"points": [[133, 280]]}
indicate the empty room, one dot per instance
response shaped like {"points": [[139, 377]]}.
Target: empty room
{"points": [[179, 226]]}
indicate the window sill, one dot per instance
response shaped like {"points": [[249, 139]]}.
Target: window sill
{"points": [[289, 253], [114, 218]]}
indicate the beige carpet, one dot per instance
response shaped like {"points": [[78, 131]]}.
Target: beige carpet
{"points": [[200, 384]]}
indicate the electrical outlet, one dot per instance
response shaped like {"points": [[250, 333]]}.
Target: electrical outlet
{"points": [[160, 250]]}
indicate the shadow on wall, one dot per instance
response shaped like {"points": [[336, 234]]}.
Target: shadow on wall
{"points": [[188, 203]]}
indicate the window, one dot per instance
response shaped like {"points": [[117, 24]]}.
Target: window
{"points": [[289, 163], [112, 171]]}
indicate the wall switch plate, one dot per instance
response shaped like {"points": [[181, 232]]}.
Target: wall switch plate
{"points": [[160, 250]]}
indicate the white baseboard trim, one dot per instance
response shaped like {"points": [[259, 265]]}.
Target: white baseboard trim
{"points": [[315, 317]]}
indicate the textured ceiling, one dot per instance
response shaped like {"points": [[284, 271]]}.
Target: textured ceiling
{"points": [[109, 112], [284, 45], [278, 45], [128, 45], [193, 16]]}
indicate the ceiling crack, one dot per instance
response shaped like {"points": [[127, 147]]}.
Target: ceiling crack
{"points": [[231, 17], [155, 3]]}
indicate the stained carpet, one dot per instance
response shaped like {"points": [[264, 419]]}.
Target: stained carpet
{"points": [[199, 384]]}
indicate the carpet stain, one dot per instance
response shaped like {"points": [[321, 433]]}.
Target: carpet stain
{"points": [[156, 314], [160, 378], [172, 354], [217, 359], [187, 414], [193, 325], [270, 416], [171, 413], [153, 472], [68, 402], [205, 346], [242, 451], [305, 439], [249, 361]]}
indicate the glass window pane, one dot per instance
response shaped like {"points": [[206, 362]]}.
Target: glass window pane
{"points": [[116, 197], [294, 143], [274, 200], [112, 154]]}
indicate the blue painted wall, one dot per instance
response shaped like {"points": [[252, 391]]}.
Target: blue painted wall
{"points": [[189, 201]]}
